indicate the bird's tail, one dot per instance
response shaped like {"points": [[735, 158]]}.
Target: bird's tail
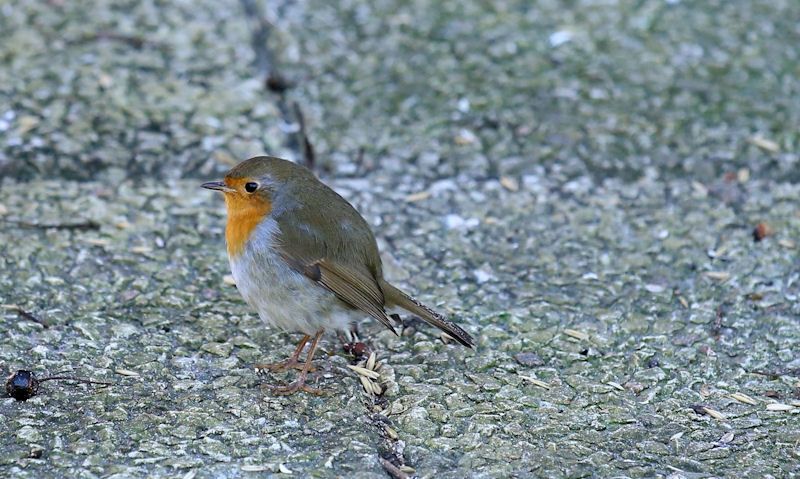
{"points": [[396, 297]]}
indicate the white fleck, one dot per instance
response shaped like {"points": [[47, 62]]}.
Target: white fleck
{"points": [[654, 288], [483, 275], [559, 38], [663, 234], [442, 185], [463, 105], [453, 221], [589, 275], [40, 350], [465, 137]]}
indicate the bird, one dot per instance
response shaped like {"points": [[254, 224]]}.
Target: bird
{"points": [[306, 261]]}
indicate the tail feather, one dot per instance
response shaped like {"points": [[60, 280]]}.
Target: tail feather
{"points": [[396, 297]]}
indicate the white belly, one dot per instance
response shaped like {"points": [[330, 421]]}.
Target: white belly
{"points": [[283, 297]]}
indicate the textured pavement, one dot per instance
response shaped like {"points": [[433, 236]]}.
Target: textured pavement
{"points": [[576, 183]]}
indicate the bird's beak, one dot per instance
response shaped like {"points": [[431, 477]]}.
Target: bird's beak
{"points": [[217, 185]]}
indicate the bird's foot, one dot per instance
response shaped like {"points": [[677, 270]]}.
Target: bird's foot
{"points": [[298, 385], [286, 364]]}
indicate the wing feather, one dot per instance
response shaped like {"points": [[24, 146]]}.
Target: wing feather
{"points": [[352, 283]]}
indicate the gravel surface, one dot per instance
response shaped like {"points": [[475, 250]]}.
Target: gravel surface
{"points": [[604, 194]]}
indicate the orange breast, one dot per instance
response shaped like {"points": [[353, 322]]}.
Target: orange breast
{"points": [[244, 215]]}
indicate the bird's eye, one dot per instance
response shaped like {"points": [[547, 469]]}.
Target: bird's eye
{"points": [[251, 186]]}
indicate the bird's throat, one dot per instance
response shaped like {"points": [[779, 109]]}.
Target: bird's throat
{"points": [[244, 216]]}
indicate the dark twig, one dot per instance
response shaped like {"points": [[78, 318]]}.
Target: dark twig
{"points": [[131, 40], [718, 322], [81, 226], [307, 147], [393, 470], [30, 317], [267, 67]]}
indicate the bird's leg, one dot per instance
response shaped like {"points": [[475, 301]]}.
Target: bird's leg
{"points": [[299, 384], [292, 363]]}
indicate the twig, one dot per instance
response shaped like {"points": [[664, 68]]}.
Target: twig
{"points": [[80, 380], [130, 40], [30, 317], [393, 470], [307, 147], [82, 226]]}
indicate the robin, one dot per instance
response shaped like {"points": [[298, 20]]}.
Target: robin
{"points": [[306, 260]]}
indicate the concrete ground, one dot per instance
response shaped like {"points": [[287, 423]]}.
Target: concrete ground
{"points": [[576, 183]]}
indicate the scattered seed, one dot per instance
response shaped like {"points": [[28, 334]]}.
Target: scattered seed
{"points": [[788, 244], [228, 279], [446, 338], [676, 436], [365, 372], [256, 468], [683, 302], [408, 469], [420, 196], [714, 413], [727, 437], [718, 275], [283, 469], [371, 361], [764, 144], [391, 433], [141, 249], [743, 175], [97, 242], [580, 335], [127, 372], [509, 183], [776, 406], [366, 384], [376, 389], [744, 398], [615, 385], [536, 382]]}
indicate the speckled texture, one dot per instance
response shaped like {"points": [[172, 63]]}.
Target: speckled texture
{"points": [[583, 203]]}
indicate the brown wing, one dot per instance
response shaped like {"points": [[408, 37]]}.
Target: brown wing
{"points": [[350, 277]]}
